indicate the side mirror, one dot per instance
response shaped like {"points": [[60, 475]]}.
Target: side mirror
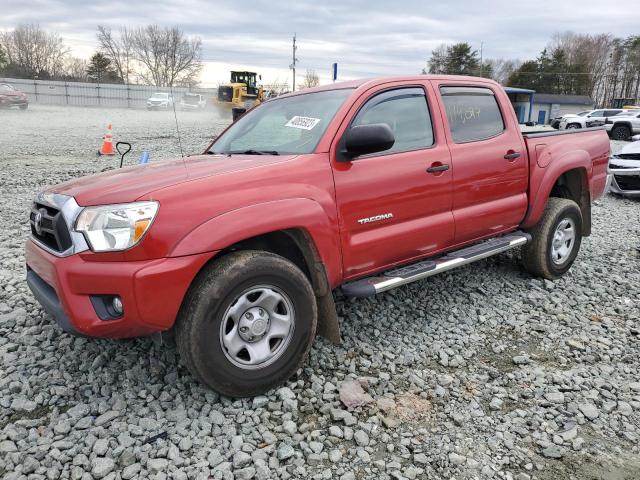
{"points": [[365, 139]]}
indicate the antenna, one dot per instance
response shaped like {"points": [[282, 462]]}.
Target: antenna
{"points": [[293, 64], [175, 116]]}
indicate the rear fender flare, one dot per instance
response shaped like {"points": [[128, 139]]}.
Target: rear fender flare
{"points": [[546, 179]]}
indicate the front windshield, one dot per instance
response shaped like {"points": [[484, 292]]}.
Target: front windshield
{"points": [[6, 88], [160, 95], [582, 114], [284, 125]]}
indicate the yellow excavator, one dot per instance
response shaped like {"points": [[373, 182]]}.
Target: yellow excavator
{"points": [[242, 92]]}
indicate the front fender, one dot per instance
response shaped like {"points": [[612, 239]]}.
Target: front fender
{"points": [[543, 180], [247, 222]]}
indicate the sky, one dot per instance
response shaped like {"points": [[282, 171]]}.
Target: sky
{"points": [[366, 38]]}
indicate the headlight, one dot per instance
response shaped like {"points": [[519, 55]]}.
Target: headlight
{"points": [[111, 228]]}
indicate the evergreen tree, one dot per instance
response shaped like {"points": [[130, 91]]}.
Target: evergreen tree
{"points": [[457, 59], [100, 70], [462, 60]]}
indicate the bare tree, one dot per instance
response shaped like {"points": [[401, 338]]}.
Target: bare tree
{"points": [[501, 69], [310, 79], [35, 51], [169, 57], [119, 49], [75, 69]]}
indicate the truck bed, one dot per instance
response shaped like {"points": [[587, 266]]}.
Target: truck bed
{"points": [[551, 153]]}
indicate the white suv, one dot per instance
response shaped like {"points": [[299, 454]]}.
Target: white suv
{"points": [[592, 119], [623, 125], [160, 100]]}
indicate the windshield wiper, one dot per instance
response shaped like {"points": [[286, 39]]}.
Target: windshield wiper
{"points": [[254, 152]]}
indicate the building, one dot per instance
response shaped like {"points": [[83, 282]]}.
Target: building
{"points": [[547, 106], [542, 107], [522, 101]]}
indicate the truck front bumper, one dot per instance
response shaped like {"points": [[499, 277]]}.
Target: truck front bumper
{"points": [[71, 288]]}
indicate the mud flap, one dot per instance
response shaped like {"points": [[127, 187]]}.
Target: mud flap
{"points": [[328, 326]]}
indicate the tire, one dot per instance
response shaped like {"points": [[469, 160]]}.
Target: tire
{"points": [[573, 126], [216, 308], [24, 107], [620, 132], [541, 257]]}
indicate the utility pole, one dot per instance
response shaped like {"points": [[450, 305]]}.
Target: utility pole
{"points": [[293, 64], [481, 45]]}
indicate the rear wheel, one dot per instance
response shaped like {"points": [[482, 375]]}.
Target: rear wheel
{"points": [[573, 126], [555, 240], [247, 323], [24, 107], [621, 132]]}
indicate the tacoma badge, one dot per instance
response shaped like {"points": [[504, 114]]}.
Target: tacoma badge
{"points": [[375, 218]]}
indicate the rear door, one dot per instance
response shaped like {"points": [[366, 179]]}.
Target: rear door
{"points": [[489, 161], [391, 208]]}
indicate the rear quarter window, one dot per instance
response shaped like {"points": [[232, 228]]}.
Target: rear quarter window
{"points": [[472, 112]]}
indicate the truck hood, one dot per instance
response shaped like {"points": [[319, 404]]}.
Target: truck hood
{"points": [[130, 183]]}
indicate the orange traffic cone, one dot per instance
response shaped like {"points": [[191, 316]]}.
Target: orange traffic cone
{"points": [[107, 143]]}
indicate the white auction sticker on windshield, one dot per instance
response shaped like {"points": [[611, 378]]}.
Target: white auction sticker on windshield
{"points": [[305, 123]]}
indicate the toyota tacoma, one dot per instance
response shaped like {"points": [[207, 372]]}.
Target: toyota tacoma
{"points": [[362, 186]]}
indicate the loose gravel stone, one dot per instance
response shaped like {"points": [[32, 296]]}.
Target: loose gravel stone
{"points": [[481, 372]]}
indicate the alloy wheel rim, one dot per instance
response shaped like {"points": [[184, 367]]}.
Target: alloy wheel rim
{"points": [[257, 327], [563, 241]]}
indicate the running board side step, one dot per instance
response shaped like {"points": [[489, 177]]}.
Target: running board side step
{"points": [[397, 277]]}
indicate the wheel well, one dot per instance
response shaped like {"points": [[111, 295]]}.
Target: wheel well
{"points": [[573, 185], [622, 124], [296, 246]]}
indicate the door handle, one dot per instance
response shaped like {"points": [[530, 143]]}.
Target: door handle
{"points": [[511, 155], [438, 168]]}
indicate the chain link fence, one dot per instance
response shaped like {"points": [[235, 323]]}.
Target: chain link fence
{"points": [[96, 94]]}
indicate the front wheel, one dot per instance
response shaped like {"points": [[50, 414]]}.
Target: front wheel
{"points": [[573, 126], [247, 323], [555, 240]]}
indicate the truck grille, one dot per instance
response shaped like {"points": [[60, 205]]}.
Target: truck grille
{"points": [[628, 182], [225, 94], [49, 227]]}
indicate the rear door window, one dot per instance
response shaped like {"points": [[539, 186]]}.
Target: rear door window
{"points": [[472, 112]]}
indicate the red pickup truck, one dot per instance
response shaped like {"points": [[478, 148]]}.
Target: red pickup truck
{"points": [[364, 186]]}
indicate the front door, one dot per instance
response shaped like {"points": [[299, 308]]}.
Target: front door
{"points": [[391, 207], [489, 161]]}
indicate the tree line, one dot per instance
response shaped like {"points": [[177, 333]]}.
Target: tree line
{"points": [[152, 55], [600, 66]]}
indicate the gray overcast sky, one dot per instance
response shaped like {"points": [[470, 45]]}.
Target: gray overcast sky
{"points": [[366, 38]]}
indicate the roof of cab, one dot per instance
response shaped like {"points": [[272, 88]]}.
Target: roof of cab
{"points": [[365, 83]]}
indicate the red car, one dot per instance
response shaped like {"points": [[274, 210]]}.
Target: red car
{"points": [[365, 186], [10, 97]]}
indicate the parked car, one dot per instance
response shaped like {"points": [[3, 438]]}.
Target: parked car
{"points": [[160, 100], [624, 170], [192, 101], [555, 122], [346, 186], [11, 97], [623, 125], [593, 118]]}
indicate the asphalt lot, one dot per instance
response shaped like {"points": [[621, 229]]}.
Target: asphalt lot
{"points": [[482, 372]]}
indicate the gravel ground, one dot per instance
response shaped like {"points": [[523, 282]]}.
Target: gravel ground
{"points": [[483, 372]]}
